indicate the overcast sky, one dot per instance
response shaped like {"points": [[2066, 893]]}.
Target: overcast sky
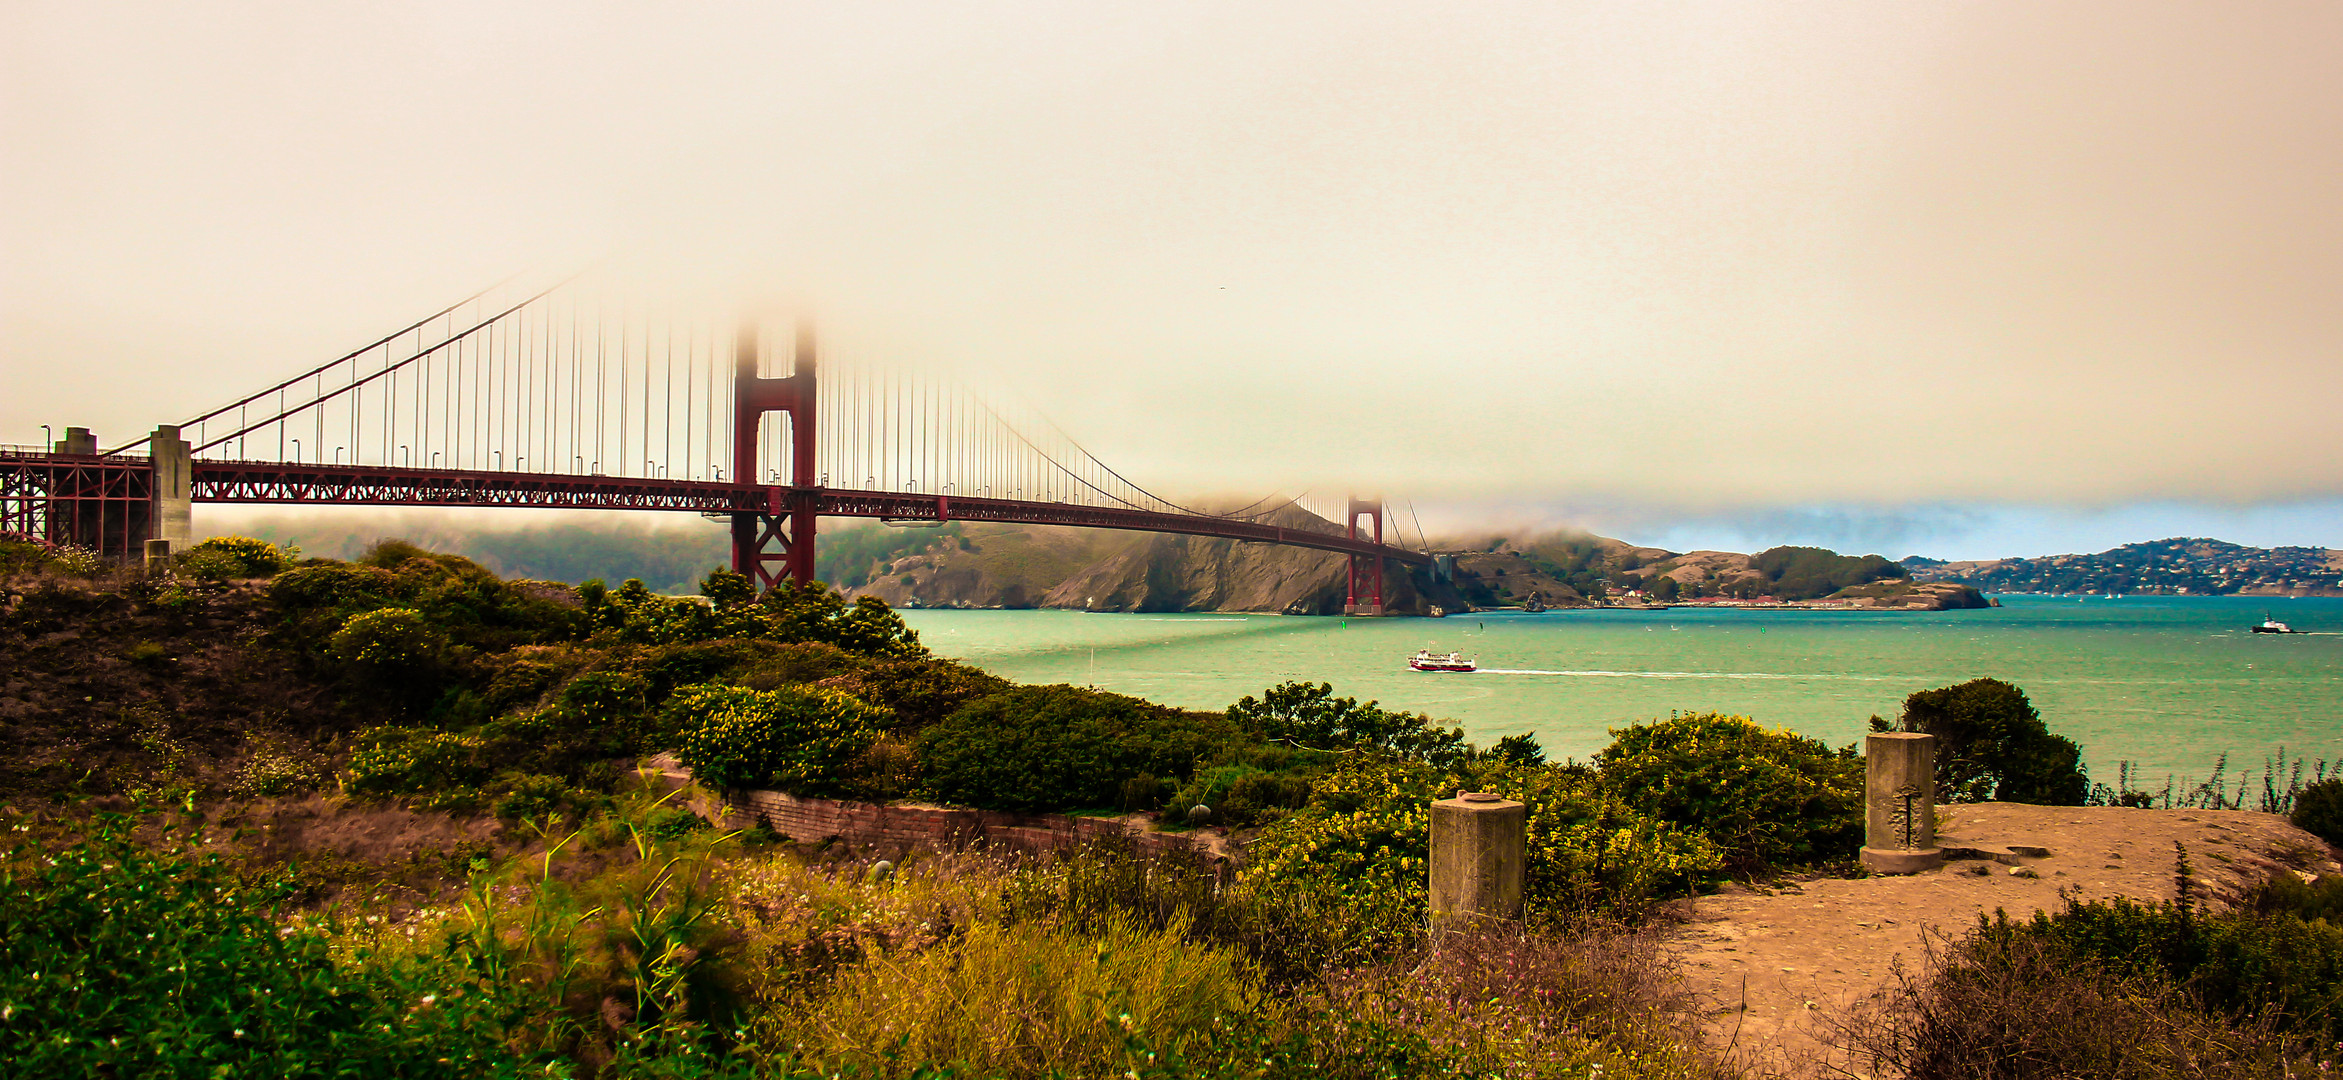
{"points": [[1962, 279]]}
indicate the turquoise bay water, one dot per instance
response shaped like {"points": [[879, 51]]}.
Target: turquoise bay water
{"points": [[2164, 682]]}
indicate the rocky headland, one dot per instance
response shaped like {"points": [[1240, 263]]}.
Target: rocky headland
{"points": [[1003, 566]]}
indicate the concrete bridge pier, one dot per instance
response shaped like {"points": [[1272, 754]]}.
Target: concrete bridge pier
{"points": [[173, 517]]}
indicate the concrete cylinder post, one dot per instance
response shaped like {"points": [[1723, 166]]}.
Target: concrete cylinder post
{"points": [[1480, 848], [1899, 803], [158, 558]]}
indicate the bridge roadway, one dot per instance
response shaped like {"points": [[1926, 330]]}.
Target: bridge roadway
{"points": [[267, 482]]}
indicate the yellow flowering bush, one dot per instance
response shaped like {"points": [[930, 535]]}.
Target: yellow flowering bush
{"points": [[385, 639], [1769, 798], [401, 760], [237, 556]]}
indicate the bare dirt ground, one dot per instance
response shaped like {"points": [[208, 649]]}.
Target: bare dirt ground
{"points": [[1777, 967]]}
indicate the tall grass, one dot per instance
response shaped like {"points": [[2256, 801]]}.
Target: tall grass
{"points": [[1022, 1000], [2017, 1007], [2280, 783]]}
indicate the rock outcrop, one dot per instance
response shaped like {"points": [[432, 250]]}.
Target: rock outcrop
{"points": [[1014, 566], [1098, 570]]}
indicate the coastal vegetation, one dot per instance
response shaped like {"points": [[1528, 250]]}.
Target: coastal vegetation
{"points": [[579, 916], [2118, 988]]}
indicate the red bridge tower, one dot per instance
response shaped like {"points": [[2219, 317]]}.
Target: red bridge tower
{"points": [[1371, 509], [776, 544]]}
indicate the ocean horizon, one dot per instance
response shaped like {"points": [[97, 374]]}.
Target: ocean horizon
{"points": [[2168, 684]]}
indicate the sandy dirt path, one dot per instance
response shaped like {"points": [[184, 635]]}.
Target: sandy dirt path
{"points": [[1776, 967]]}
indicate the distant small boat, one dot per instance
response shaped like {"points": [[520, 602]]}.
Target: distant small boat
{"points": [[1426, 660], [2273, 626]]}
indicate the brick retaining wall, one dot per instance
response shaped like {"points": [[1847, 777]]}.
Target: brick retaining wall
{"points": [[897, 827]]}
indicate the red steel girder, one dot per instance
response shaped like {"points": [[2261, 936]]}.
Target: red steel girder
{"points": [[374, 485], [356, 485]]}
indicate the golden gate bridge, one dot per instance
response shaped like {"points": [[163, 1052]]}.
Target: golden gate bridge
{"points": [[571, 397]]}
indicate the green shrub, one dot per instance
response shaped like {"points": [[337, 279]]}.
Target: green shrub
{"points": [[266, 775], [73, 560], [243, 556], [668, 823], [1361, 848], [2318, 810], [1309, 716], [920, 691], [210, 566], [390, 554], [2010, 1002], [1766, 798], [387, 641], [1146, 792], [794, 739], [1522, 749], [1242, 794], [1991, 744], [2286, 894], [1257, 796], [604, 696], [633, 613], [458, 598], [2232, 963], [119, 960], [338, 589], [531, 795], [20, 554], [1060, 747], [815, 612], [405, 761]]}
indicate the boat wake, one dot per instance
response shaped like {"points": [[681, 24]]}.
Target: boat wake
{"points": [[1683, 674]]}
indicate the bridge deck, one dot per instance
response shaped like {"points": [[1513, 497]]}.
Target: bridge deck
{"points": [[26, 477]]}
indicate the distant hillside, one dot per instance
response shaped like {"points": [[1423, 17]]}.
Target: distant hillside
{"points": [[670, 557], [2181, 566], [1570, 569], [1017, 566]]}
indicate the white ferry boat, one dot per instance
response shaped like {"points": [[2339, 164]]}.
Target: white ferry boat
{"points": [[1426, 660]]}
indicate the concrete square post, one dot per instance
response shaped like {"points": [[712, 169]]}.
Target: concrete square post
{"points": [[174, 495], [1480, 850], [1899, 803]]}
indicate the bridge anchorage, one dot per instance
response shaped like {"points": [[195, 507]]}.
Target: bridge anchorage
{"points": [[569, 401]]}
